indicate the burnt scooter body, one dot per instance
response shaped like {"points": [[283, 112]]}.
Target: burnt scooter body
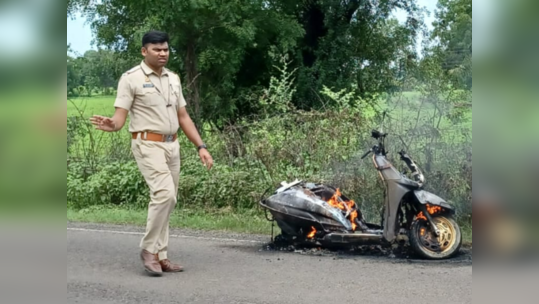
{"points": [[302, 212]]}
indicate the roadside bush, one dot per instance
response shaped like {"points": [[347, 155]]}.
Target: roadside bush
{"points": [[75, 129], [252, 157], [82, 91], [73, 93], [114, 183]]}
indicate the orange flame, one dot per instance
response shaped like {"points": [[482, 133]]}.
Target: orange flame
{"points": [[353, 217], [337, 202], [431, 210], [334, 201], [312, 233]]}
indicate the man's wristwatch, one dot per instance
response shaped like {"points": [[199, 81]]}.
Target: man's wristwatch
{"points": [[203, 146]]}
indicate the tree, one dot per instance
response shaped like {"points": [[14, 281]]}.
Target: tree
{"points": [[225, 50], [73, 75], [96, 70], [102, 69], [70, 7], [453, 30], [352, 44], [210, 42], [76, 5]]}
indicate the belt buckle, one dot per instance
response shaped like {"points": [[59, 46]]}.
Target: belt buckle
{"points": [[169, 138]]}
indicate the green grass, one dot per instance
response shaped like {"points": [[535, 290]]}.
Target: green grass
{"points": [[87, 107], [98, 105], [467, 235], [252, 222]]}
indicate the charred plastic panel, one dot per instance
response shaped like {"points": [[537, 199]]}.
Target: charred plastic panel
{"points": [[409, 183], [303, 207], [426, 197], [396, 193], [388, 171]]}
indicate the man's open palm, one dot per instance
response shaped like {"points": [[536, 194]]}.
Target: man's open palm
{"points": [[103, 123]]}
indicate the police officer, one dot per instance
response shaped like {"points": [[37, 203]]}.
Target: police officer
{"points": [[152, 96]]}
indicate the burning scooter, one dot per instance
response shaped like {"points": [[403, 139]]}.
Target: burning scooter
{"points": [[322, 214]]}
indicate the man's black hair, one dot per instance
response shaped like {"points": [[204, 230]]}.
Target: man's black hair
{"points": [[154, 37]]}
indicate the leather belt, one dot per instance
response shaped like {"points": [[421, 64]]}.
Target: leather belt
{"points": [[155, 137]]}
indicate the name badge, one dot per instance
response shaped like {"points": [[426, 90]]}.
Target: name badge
{"points": [[148, 85]]}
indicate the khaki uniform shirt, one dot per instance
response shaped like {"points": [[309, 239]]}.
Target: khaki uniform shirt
{"points": [[152, 101]]}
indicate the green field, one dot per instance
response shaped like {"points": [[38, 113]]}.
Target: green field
{"points": [[405, 105], [88, 106]]}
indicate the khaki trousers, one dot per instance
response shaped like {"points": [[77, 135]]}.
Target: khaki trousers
{"points": [[159, 163]]}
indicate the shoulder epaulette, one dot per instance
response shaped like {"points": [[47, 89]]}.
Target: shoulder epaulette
{"points": [[133, 70]]}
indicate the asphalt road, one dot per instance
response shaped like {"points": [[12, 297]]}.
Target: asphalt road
{"points": [[103, 267]]}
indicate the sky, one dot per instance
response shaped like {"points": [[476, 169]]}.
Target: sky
{"points": [[79, 33]]}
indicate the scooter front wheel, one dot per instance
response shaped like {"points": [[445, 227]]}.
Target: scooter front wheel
{"points": [[427, 244]]}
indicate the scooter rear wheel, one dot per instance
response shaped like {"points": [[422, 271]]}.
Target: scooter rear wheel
{"points": [[430, 246]]}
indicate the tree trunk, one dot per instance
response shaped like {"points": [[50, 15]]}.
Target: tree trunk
{"points": [[192, 84], [313, 23]]}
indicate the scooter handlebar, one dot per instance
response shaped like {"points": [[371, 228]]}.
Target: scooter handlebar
{"points": [[366, 154]]}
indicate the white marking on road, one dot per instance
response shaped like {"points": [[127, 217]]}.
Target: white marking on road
{"points": [[172, 235]]}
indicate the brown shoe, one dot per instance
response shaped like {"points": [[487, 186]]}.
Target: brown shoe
{"points": [[151, 263], [168, 266]]}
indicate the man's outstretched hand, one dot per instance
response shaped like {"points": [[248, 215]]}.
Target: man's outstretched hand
{"points": [[103, 123]]}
